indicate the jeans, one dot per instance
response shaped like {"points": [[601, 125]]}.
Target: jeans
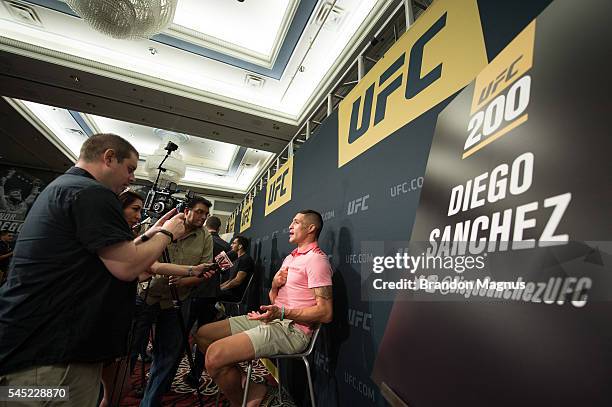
{"points": [[203, 311], [168, 348]]}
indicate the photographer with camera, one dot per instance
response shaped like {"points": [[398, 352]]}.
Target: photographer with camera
{"points": [[194, 250], [68, 302]]}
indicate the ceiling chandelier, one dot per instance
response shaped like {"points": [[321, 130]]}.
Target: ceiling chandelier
{"points": [[126, 19]]}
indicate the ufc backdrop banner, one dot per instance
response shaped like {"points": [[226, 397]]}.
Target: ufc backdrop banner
{"points": [[546, 139], [245, 218], [519, 167], [440, 55], [278, 188], [231, 222]]}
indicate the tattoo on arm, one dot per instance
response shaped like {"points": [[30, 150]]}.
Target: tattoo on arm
{"points": [[323, 292]]}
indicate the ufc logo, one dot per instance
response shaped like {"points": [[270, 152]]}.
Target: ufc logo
{"points": [[359, 319], [278, 187], [357, 205], [414, 84], [246, 217], [321, 361]]}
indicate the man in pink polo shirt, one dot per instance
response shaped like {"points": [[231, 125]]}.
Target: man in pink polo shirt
{"points": [[301, 297]]}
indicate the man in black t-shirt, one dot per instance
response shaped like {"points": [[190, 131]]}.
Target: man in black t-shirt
{"points": [[240, 272], [67, 304], [213, 224]]}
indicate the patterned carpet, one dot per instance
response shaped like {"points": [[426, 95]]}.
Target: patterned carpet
{"points": [[182, 395]]}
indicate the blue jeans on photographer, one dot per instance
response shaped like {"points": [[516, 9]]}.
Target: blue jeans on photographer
{"points": [[167, 350]]}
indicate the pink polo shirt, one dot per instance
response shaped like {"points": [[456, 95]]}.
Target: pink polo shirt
{"points": [[307, 269]]}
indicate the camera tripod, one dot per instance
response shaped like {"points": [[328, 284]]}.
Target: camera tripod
{"points": [[176, 305]]}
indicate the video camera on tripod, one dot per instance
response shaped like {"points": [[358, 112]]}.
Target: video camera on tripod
{"points": [[161, 200]]}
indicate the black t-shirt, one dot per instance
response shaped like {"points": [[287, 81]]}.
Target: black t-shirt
{"points": [[243, 263], [60, 304], [219, 245]]}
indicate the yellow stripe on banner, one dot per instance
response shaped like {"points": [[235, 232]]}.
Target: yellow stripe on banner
{"points": [[271, 368], [443, 51], [246, 216], [495, 136]]}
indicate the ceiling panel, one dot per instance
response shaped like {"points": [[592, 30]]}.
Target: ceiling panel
{"points": [[315, 45], [208, 163], [256, 26]]}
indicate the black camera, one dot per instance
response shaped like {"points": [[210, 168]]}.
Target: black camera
{"points": [[160, 201]]}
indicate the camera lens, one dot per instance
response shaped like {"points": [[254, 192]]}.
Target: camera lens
{"points": [[158, 207]]}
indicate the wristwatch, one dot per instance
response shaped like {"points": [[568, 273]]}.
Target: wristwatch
{"points": [[190, 271], [144, 237], [167, 233]]}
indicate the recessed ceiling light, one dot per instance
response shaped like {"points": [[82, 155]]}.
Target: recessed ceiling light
{"points": [[253, 81], [330, 15]]}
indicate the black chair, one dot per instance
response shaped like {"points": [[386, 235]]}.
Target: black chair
{"points": [[243, 301]]}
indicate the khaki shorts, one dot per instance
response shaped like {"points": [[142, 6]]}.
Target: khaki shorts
{"points": [[274, 338], [82, 379]]}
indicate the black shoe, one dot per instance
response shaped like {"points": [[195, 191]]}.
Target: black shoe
{"points": [[191, 381]]}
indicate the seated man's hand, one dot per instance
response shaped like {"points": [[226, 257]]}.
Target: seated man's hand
{"points": [[269, 313], [280, 279]]}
